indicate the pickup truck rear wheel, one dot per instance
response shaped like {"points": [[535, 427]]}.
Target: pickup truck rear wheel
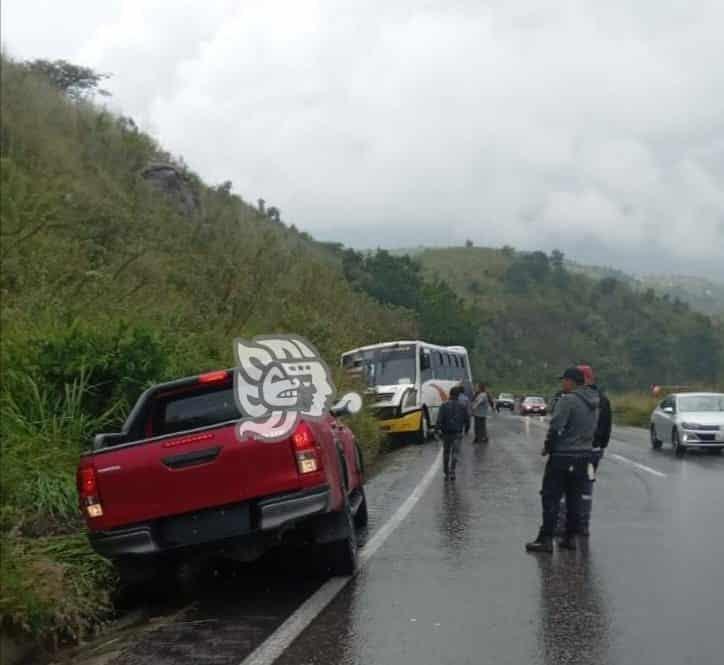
{"points": [[142, 575], [361, 517], [655, 441], [342, 554]]}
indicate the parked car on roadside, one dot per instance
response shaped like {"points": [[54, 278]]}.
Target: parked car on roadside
{"points": [[505, 401], [689, 420], [177, 484], [533, 406]]}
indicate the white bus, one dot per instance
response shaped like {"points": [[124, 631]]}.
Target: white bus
{"points": [[409, 381]]}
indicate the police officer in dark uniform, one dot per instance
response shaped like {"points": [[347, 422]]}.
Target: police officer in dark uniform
{"points": [[601, 439], [569, 445]]}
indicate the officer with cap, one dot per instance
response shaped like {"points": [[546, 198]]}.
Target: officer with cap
{"points": [[601, 437], [569, 445]]}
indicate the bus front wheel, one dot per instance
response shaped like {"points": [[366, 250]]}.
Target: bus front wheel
{"points": [[423, 433]]}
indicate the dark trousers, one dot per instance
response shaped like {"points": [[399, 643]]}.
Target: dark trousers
{"points": [[481, 429], [450, 450], [586, 499], [563, 477]]}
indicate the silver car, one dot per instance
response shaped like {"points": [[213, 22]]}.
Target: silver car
{"points": [[689, 420]]}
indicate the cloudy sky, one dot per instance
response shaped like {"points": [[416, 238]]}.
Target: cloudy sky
{"points": [[595, 127]]}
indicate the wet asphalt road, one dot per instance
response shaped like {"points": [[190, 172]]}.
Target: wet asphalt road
{"points": [[453, 583]]}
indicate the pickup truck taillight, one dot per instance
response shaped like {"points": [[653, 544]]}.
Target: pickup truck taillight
{"points": [[306, 449], [90, 502]]}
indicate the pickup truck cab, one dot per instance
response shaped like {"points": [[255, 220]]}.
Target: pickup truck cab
{"points": [[176, 483]]}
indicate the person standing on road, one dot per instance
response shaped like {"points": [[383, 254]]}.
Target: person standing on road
{"points": [[466, 399], [569, 445], [482, 405], [601, 437], [452, 420]]}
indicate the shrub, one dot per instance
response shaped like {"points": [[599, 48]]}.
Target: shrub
{"points": [[56, 589], [633, 409]]}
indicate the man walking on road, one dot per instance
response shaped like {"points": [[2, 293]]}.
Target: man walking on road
{"points": [[569, 444], [452, 421]]}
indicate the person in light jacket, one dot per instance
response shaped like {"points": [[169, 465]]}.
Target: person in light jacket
{"points": [[482, 406]]}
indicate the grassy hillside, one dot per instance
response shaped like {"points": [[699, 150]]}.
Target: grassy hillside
{"points": [[109, 284]]}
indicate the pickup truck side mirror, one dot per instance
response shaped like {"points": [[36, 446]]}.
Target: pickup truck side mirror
{"points": [[108, 439], [668, 409], [350, 404]]}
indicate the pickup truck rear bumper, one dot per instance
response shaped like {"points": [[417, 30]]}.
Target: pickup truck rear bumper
{"points": [[248, 520]]}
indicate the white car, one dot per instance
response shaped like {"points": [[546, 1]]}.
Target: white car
{"points": [[689, 420]]}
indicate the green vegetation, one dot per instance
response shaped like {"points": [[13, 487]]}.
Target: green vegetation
{"points": [[109, 283], [537, 317], [702, 295], [525, 316], [633, 408]]}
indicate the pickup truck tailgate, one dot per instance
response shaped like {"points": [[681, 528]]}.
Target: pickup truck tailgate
{"points": [[187, 471]]}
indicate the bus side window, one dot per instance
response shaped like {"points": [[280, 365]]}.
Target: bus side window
{"points": [[426, 372], [437, 365]]}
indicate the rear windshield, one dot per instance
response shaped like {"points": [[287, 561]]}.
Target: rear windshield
{"points": [[191, 410]]}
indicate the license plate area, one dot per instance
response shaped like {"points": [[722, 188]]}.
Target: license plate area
{"points": [[205, 525]]}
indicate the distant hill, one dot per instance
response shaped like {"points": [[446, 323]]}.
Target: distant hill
{"points": [[534, 314], [703, 295]]}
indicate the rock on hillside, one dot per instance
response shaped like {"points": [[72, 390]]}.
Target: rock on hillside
{"points": [[172, 182]]}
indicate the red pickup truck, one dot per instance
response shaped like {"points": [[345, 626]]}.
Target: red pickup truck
{"points": [[176, 484]]}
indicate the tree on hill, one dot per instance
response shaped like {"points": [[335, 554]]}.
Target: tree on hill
{"points": [[75, 81], [527, 270]]}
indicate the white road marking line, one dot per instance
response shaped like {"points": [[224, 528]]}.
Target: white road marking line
{"points": [[643, 467], [280, 640]]}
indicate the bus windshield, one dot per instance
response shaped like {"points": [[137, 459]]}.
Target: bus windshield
{"points": [[384, 366]]}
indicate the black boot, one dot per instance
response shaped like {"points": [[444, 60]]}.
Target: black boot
{"points": [[540, 544], [568, 542]]}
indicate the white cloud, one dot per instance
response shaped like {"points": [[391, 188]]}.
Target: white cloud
{"points": [[598, 127]]}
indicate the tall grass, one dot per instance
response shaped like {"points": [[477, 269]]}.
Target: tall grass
{"points": [[42, 436], [633, 409], [55, 589]]}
